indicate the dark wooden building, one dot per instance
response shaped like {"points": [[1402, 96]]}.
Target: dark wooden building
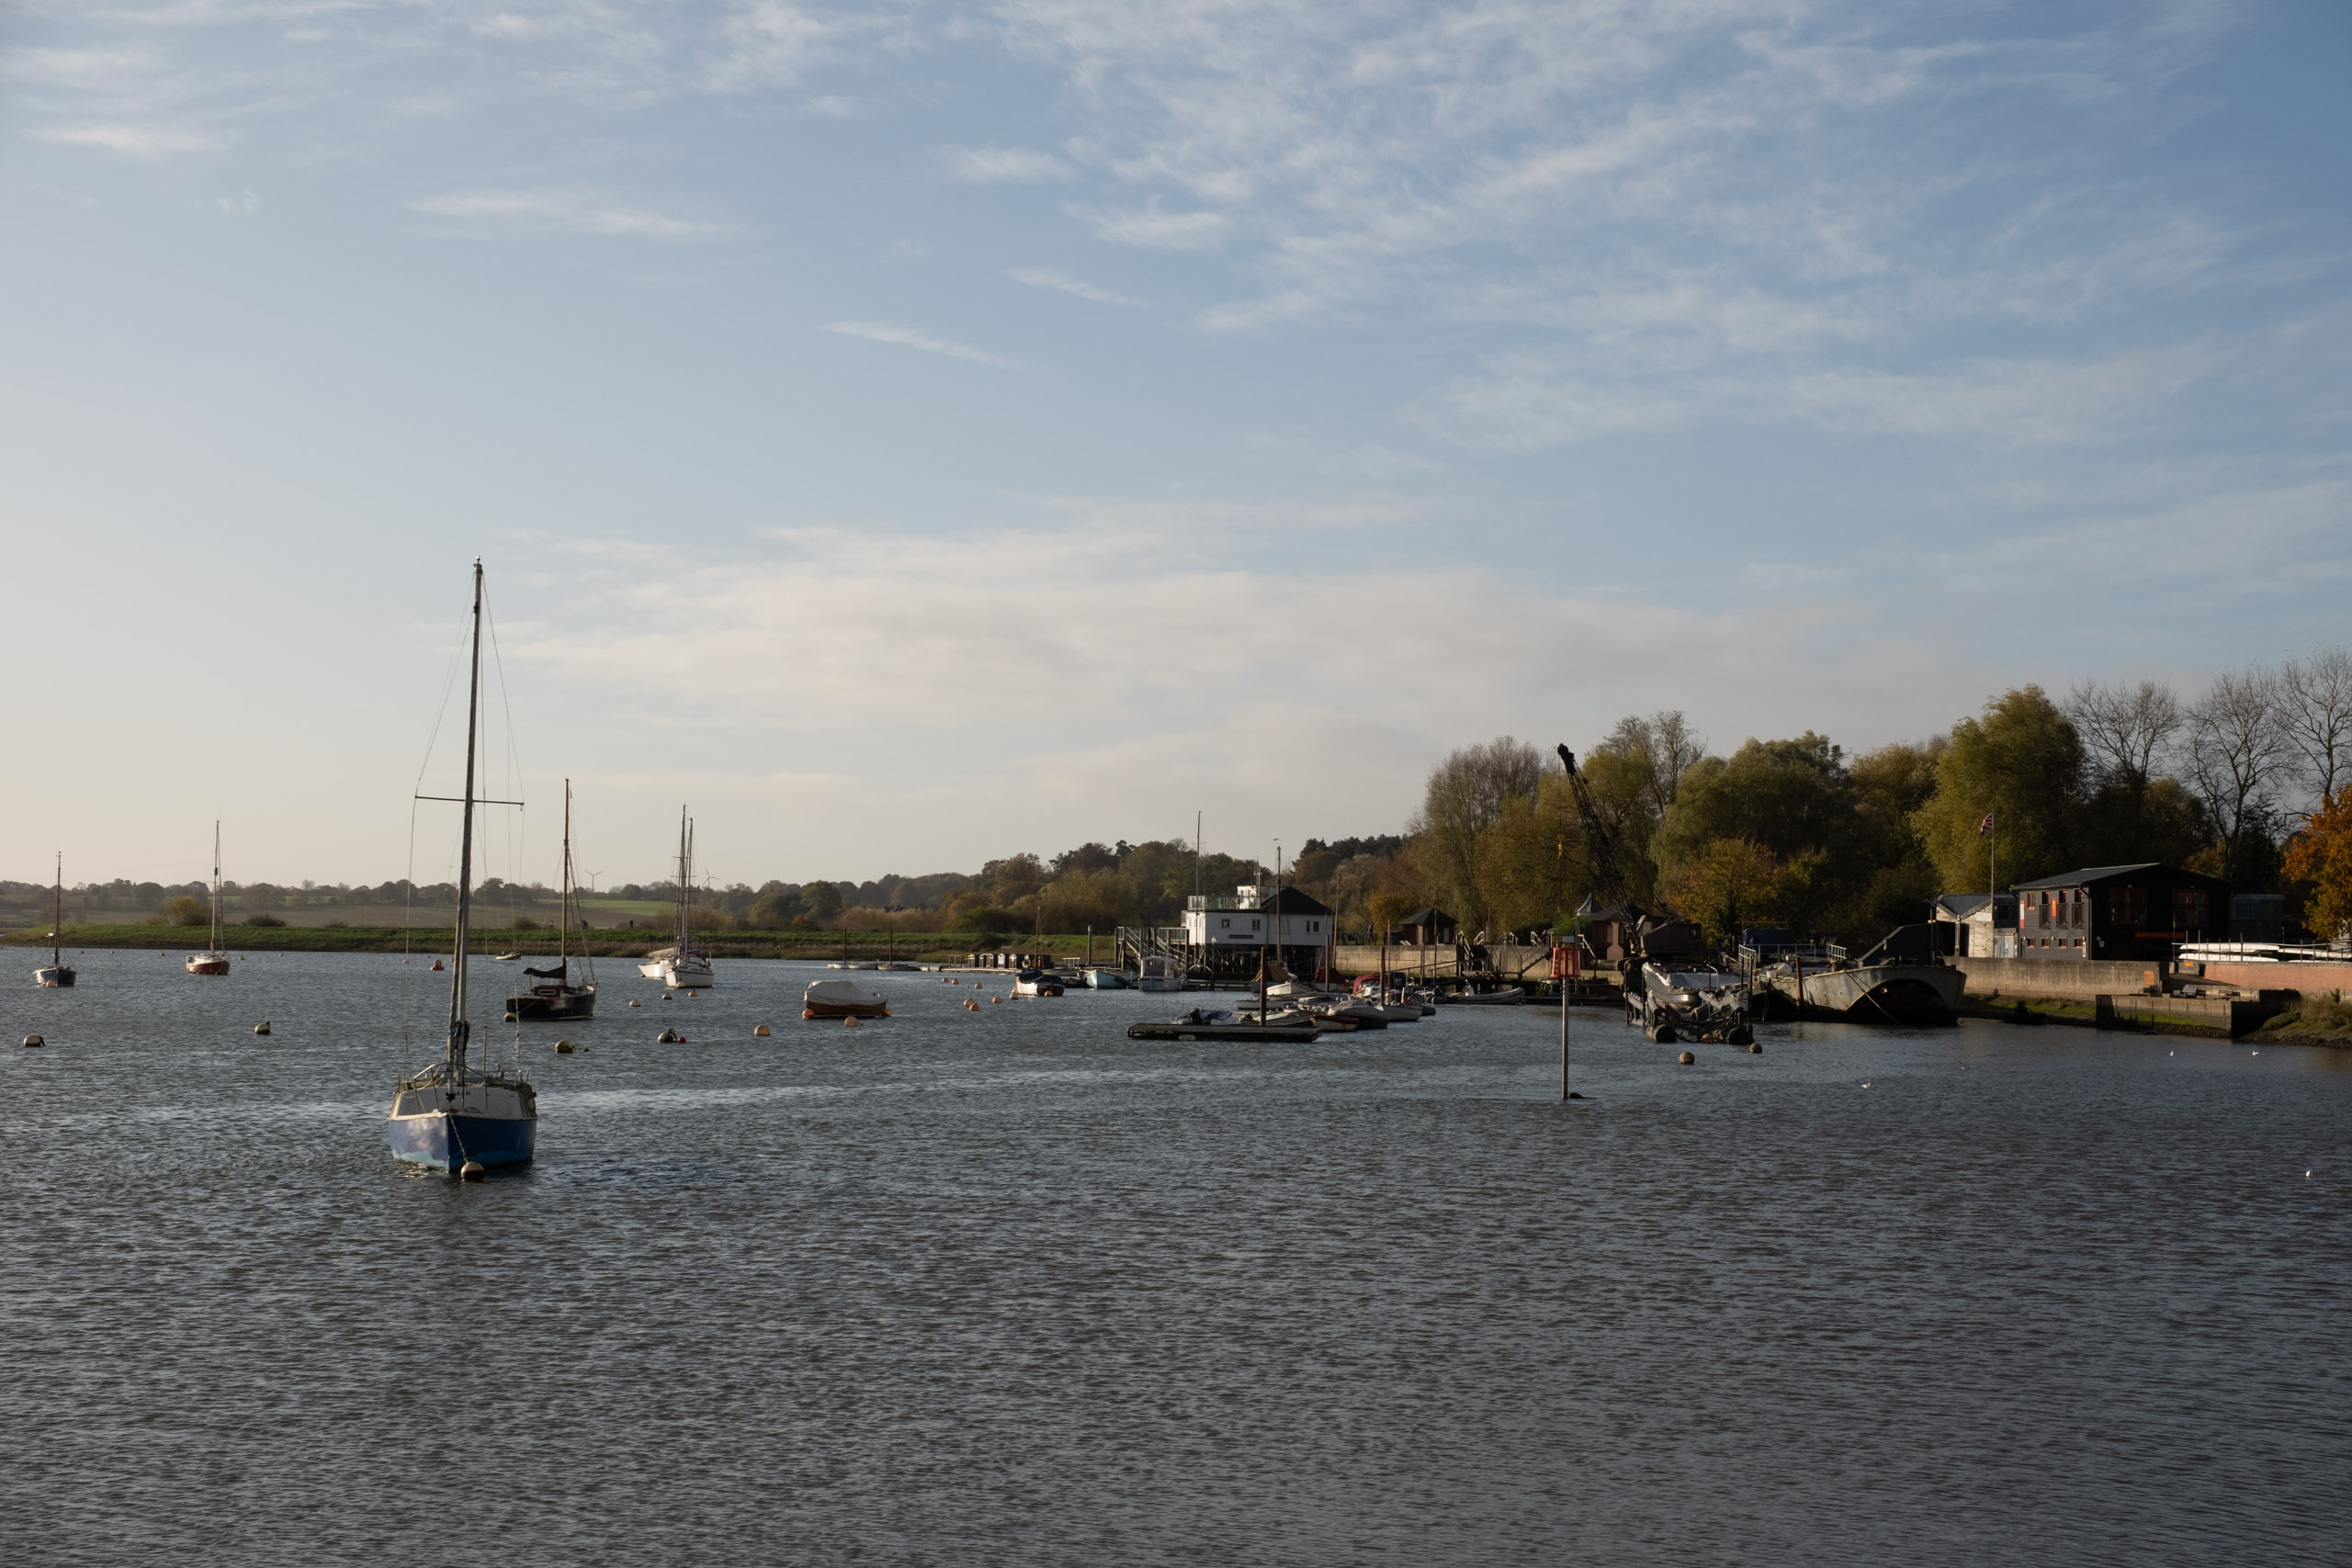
{"points": [[1428, 928], [2120, 913]]}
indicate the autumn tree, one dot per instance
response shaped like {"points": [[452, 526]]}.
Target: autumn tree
{"points": [[2321, 855]]}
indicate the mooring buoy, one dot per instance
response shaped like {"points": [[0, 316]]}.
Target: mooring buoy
{"points": [[635, 1003], [262, 1027], [508, 1018], [564, 1048], [760, 1031], [470, 1171], [35, 1040], [850, 1022], [1686, 1059], [1754, 1049]]}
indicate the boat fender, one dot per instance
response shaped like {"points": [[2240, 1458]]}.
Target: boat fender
{"points": [[886, 1012], [761, 1031], [1686, 1059], [262, 1027], [564, 1048], [31, 1040], [807, 1013]]}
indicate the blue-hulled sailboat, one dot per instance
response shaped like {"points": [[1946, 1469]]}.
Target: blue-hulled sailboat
{"points": [[451, 1116]]}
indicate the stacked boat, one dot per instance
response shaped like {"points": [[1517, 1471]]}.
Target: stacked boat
{"points": [[1690, 1004]]}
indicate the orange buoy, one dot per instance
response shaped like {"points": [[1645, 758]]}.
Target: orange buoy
{"points": [[805, 1012]]}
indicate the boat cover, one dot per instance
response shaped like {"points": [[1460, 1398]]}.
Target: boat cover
{"points": [[839, 993], [554, 973]]}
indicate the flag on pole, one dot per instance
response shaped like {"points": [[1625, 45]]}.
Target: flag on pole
{"points": [[1984, 827]]}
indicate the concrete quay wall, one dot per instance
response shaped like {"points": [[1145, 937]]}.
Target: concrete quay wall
{"points": [[2076, 979]]}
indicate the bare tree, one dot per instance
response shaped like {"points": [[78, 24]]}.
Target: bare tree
{"points": [[1665, 740], [2125, 729], [2237, 747], [1464, 802], [2315, 704]]}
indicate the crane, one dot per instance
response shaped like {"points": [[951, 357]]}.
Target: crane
{"points": [[1596, 836]]}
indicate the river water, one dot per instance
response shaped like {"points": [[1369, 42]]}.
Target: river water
{"points": [[1006, 1287]]}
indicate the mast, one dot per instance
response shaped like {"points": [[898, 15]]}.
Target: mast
{"points": [[686, 893], [678, 920], [563, 941], [216, 884], [459, 1029], [57, 920]]}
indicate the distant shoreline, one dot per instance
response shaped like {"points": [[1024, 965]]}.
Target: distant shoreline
{"points": [[925, 946]]}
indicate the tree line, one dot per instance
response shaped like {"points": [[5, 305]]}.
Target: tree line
{"points": [[2237, 781]]}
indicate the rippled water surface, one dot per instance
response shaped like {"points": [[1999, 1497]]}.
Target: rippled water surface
{"points": [[1006, 1286]]}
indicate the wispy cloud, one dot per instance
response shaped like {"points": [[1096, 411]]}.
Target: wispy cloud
{"points": [[1001, 165], [132, 141], [911, 337], [1152, 229], [575, 210], [1062, 282]]}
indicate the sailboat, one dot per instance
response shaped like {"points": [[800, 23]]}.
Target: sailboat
{"points": [[449, 1115], [558, 1000], [213, 960], [56, 972], [679, 967]]}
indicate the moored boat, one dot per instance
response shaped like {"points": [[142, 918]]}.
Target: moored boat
{"points": [[556, 1000], [842, 998], [1105, 980], [1036, 983], [1159, 972], [56, 974], [679, 967], [1508, 997], [213, 960], [451, 1115], [1694, 1004]]}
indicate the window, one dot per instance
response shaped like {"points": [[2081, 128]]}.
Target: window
{"points": [[1254, 925], [2127, 906], [2074, 907], [1225, 925], [2188, 908]]}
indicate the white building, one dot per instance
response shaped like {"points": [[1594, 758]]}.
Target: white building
{"points": [[1246, 919]]}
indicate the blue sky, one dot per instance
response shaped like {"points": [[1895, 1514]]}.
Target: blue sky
{"points": [[917, 432]]}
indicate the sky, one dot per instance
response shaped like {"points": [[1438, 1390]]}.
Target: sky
{"points": [[908, 433]]}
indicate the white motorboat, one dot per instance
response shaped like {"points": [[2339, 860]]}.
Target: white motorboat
{"points": [[1159, 973], [1036, 983], [1105, 980]]}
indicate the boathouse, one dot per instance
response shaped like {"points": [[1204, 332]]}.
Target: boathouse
{"points": [[2120, 913], [1976, 925], [1428, 928]]}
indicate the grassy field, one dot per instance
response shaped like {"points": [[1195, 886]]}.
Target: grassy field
{"points": [[605, 942]]}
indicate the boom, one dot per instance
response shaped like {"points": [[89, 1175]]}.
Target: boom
{"points": [[1596, 836]]}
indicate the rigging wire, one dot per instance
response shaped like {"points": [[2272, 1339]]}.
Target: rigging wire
{"points": [[408, 909]]}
